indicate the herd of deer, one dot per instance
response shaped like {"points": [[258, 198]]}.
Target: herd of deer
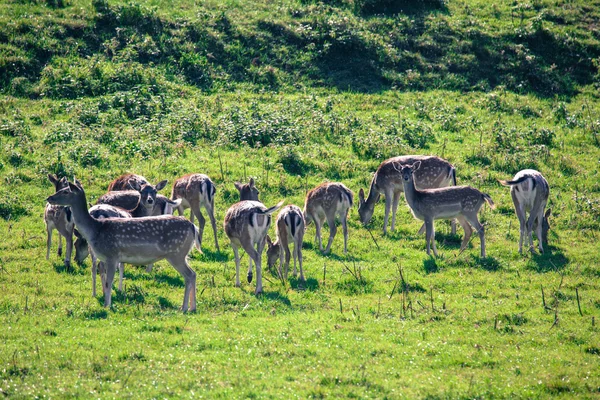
{"points": [[134, 224]]}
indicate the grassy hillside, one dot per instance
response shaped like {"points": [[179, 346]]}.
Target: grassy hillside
{"points": [[294, 93]]}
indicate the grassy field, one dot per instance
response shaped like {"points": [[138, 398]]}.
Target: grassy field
{"points": [[294, 93]]}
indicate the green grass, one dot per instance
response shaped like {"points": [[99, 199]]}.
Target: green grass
{"points": [[294, 94]]}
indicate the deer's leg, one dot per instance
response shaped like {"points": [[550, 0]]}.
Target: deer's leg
{"points": [[211, 215], [388, 205], [284, 247], [538, 231], [237, 264], [344, 222], [201, 221], [249, 276], [59, 243], [473, 220], [121, 267], [94, 272], [48, 241], [520, 211], [332, 231], [318, 233], [453, 226], [282, 274], [430, 236], [395, 201], [254, 255], [298, 250], [530, 221], [110, 266], [180, 209], [468, 231], [189, 277], [287, 260], [149, 268], [69, 242]]}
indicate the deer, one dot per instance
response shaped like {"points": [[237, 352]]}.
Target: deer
{"points": [[435, 172], [460, 202], [164, 206], [246, 225], [325, 202], [82, 248], [193, 191], [138, 183], [289, 227], [61, 219], [137, 241], [530, 191], [248, 191]]}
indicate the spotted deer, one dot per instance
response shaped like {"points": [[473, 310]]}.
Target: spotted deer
{"points": [[289, 227], [434, 173], [129, 200], [460, 202], [82, 248], [246, 225], [325, 202], [530, 191], [141, 185], [164, 206], [137, 241], [61, 219], [194, 191], [248, 191]]}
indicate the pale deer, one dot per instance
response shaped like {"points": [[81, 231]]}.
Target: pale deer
{"points": [[289, 227], [460, 202], [434, 173], [194, 191], [82, 248], [61, 219], [530, 191], [325, 202], [248, 191], [137, 241], [140, 184], [164, 206], [246, 225]]}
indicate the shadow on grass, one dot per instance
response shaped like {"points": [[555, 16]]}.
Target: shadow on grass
{"points": [[166, 304], [96, 313], [213, 255], [490, 264], [276, 296], [168, 279], [73, 269], [430, 266], [552, 260], [311, 284]]}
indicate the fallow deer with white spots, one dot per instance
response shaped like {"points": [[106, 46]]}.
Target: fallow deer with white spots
{"points": [[61, 219], [290, 228]]}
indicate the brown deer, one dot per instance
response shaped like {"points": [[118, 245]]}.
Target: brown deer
{"points": [[325, 202], [248, 191], [195, 190], [460, 202], [290, 228], [164, 206], [434, 173], [137, 241], [530, 191], [140, 184], [246, 225], [61, 219]]}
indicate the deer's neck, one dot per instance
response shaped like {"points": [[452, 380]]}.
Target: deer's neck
{"points": [[410, 192], [86, 225], [372, 198]]}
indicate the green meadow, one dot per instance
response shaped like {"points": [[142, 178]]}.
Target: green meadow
{"points": [[294, 93]]}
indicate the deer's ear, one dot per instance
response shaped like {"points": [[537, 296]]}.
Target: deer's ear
{"points": [[269, 241], [134, 184], [361, 196], [53, 179], [416, 166], [548, 213], [238, 186], [73, 187], [77, 183], [251, 183], [161, 185], [377, 198]]}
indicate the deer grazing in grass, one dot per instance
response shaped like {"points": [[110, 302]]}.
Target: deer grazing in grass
{"points": [[246, 225], [290, 228], [82, 248], [529, 191], [137, 241], [61, 219], [325, 202], [460, 202], [122, 193], [434, 173], [193, 191], [248, 191]]}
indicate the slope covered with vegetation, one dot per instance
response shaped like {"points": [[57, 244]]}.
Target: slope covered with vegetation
{"points": [[294, 93]]}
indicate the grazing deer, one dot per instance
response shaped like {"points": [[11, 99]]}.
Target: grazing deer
{"points": [[460, 202], [434, 173], [61, 219], [82, 248], [164, 206], [138, 183], [246, 225], [290, 227], [325, 202], [137, 241], [247, 190], [529, 191], [195, 190]]}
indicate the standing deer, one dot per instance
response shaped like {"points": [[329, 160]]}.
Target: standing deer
{"points": [[82, 248], [246, 225], [290, 227], [140, 184], [130, 200], [529, 191], [137, 241], [325, 202], [61, 219], [195, 190], [247, 190], [164, 206], [460, 202], [434, 173]]}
